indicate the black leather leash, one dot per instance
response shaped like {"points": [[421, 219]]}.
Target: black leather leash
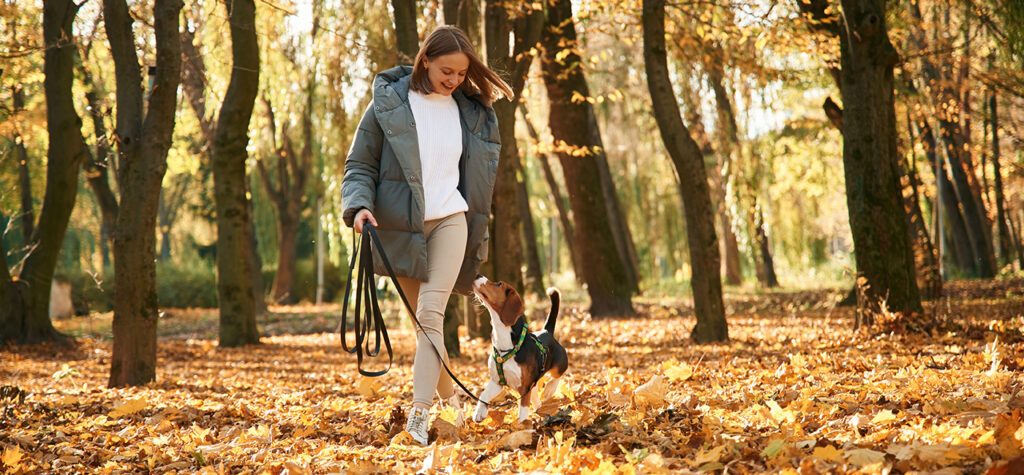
{"points": [[372, 320]]}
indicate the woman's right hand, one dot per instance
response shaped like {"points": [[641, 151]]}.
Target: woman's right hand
{"points": [[363, 216]]}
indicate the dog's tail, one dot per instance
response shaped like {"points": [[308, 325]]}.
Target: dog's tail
{"points": [[553, 313]]}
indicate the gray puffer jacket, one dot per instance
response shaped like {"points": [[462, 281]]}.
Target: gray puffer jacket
{"points": [[382, 174]]}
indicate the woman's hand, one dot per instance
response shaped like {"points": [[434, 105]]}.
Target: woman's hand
{"points": [[363, 216]]}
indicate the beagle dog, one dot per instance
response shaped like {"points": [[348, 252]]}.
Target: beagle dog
{"points": [[520, 357]]}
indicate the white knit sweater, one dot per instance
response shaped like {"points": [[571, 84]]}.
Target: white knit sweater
{"points": [[439, 132]]}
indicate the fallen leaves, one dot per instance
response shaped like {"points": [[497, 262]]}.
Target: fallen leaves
{"points": [[790, 391]]}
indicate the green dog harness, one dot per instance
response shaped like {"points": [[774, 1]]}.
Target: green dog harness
{"points": [[500, 358]]}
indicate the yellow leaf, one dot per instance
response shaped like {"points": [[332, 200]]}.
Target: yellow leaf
{"points": [[369, 388], [708, 456], [11, 457], [773, 448], [516, 439], [675, 371], [883, 416], [779, 414], [829, 453], [130, 406], [864, 457], [651, 393]]}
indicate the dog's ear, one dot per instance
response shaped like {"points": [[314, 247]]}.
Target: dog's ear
{"points": [[512, 309]]}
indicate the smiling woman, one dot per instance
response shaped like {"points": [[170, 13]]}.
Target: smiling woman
{"points": [[422, 170]]}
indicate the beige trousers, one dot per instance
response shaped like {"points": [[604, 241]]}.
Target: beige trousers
{"points": [[446, 247]]}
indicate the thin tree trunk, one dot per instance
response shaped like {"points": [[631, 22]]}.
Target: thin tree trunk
{"points": [[730, 143], [961, 249], [97, 167], [766, 264], [1005, 246], [287, 238], [929, 280], [25, 315], [28, 217], [506, 256], [564, 214], [617, 217], [534, 272], [144, 140], [881, 242], [574, 124], [466, 15], [235, 263], [693, 183], [405, 30]]}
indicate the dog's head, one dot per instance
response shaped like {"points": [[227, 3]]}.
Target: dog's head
{"points": [[500, 298]]}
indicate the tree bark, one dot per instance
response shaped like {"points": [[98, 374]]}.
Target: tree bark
{"points": [[926, 265], [573, 124], [1005, 246], [97, 166], [235, 263], [144, 140], [407, 38], [564, 214], [194, 85], [25, 314], [765, 263], [28, 217], [730, 144], [534, 272], [961, 250], [693, 183], [881, 242], [506, 256], [466, 15]]}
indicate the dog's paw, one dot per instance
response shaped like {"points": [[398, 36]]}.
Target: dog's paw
{"points": [[480, 414]]}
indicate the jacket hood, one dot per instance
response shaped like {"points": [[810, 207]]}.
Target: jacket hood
{"points": [[391, 90]]}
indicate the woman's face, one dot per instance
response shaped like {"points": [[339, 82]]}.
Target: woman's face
{"points": [[447, 72]]}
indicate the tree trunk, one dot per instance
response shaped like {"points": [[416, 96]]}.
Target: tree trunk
{"points": [[693, 183], [25, 313], [961, 249], [98, 165], [451, 326], [730, 143], [235, 263], [564, 214], [28, 217], [881, 242], [926, 265], [405, 30], [534, 272], [617, 218], [1005, 246], [573, 123], [144, 140], [287, 239], [466, 15], [765, 263]]}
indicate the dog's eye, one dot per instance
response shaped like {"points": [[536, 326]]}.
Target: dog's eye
{"points": [[508, 291]]}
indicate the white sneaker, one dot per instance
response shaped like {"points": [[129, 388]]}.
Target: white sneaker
{"points": [[418, 423]]}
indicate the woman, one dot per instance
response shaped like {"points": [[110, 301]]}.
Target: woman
{"points": [[421, 170]]}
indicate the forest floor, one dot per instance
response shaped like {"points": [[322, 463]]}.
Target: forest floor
{"points": [[795, 389]]}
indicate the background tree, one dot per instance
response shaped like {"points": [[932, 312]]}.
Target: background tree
{"points": [[143, 135], [24, 312], [235, 262], [882, 246], [575, 129], [693, 185]]}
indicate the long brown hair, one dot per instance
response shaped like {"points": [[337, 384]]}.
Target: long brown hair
{"points": [[480, 79]]}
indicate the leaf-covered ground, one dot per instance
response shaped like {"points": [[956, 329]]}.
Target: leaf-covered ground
{"points": [[795, 389]]}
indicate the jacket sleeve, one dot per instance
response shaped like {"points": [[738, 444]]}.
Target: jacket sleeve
{"points": [[362, 168]]}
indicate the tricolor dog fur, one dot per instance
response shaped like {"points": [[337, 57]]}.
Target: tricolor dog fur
{"points": [[519, 358]]}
